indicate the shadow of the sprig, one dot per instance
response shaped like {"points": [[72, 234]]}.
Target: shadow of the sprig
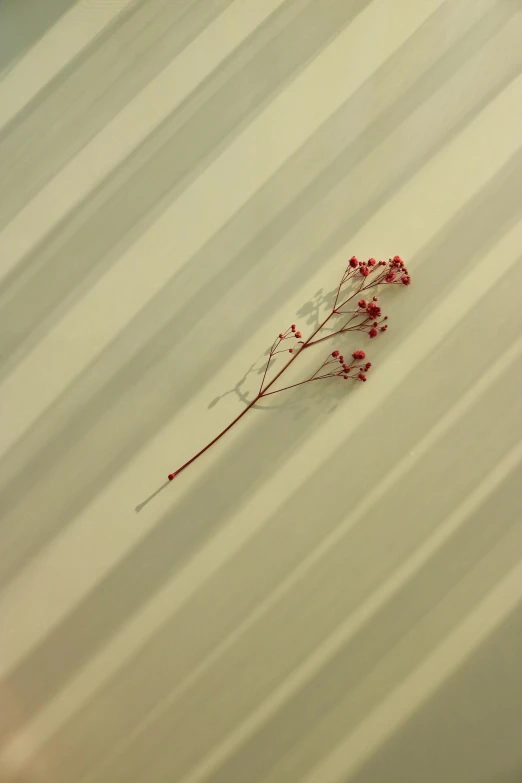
{"points": [[298, 402], [312, 313], [242, 396], [316, 308]]}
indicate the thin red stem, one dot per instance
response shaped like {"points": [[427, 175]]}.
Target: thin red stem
{"points": [[293, 385], [264, 392], [192, 459], [266, 368]]}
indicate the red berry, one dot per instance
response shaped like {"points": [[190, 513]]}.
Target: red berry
{"points": [[353, 262], [373, 332], [362, 376], [281, 336], [362, 303], [390, 277], [373, 310], [371, 262], [335, 354], [405, 280], [365, 271], [359, 355], [290, 350], [298, 334]]}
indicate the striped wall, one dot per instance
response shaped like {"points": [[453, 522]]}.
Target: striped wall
{"points": [[333, 593]]}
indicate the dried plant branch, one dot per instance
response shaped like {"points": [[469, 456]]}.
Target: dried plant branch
{"points": [[358, 278]]}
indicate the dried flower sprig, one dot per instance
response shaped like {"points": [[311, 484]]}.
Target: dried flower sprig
{"points": [[363, 276]]}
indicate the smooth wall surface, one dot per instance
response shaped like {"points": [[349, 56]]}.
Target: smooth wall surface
{"points": [[333, 593]]}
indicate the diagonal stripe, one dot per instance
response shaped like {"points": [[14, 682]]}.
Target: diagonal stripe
{"points": [[453, 155], [131, 126], [73, 32], [331, 645], [210, 561], [158, 270], [424, 681], [318, 559], [56, 273], [90, 614], [493, 207], [391, 644], [19, 33], [92, 89]]}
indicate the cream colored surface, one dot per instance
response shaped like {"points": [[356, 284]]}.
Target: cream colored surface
{"points": [[333, 593]]}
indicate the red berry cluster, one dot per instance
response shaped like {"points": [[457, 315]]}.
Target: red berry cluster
{"points": [[394, 270], [358, 370]]}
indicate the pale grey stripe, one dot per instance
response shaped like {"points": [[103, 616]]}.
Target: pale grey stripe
{"points": [[473, 724], [332, 703], [146, 27], [315, 603], [89, 425], [21, 29], [123, 591], [47, 283], [92, 89], [103, 86], [68, 262]]}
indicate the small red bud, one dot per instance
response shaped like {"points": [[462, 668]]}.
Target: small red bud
{"points": [[373, 332], [371, 262], [365, 271], [345, 377], [281, 336], [335, 354], [374, 298], [405, 280], [359, 355], [362, 376], [341, 359], [171, 476], [362, 303], [290, 350], [390, 277], [353, 262], [298, 334]]}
